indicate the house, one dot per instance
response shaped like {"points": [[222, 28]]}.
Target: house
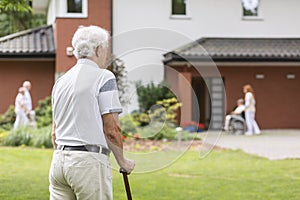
{"points": [[215, 67], [66, 16], [42, 54], [27, 55], [207, 51]]}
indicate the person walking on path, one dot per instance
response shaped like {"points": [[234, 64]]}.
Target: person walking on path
{"points": [[27, 86], [20, 109], [30, 112], [252, 127], [86, 105]]}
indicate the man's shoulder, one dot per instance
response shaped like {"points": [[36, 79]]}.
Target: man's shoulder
{"points": [[107, 75], [107, 72]]}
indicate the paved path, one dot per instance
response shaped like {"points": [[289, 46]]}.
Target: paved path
{"points": [[272, 144]]}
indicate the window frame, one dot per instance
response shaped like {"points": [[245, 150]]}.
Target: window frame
{"points": [[257, 17], [177, 16], [64, 10]]}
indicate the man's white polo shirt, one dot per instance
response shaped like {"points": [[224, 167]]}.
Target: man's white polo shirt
{"points": [[79, 98]]}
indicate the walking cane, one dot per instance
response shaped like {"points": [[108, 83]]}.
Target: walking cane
{"points": [[126, 183]]}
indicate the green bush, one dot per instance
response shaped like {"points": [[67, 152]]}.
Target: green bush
{"points": [[186, 136], [21, 136], [128, 125], [158, 131], [3, 136], [142, 119], [41, 137], [44, 112], [27, 136], [166, 110], [148, 95], [8, 118]]}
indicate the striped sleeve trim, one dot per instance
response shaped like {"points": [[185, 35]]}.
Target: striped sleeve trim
{"points": [[110, 85], [116, 110]]}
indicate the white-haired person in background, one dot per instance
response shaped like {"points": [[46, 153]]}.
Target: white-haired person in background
{"points": [[20, 109], [86, 105], [236, 112], [27, 86], [30, 113]]}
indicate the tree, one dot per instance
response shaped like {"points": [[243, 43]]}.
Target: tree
{"points": [[17, 15], [148, 95], [14, 6], [118, 68]]}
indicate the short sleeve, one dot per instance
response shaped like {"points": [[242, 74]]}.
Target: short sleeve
{"points": [[108, 96], [240, 109]]}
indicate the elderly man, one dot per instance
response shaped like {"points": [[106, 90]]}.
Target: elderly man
{"points": [[27, 86], [86, 105]]}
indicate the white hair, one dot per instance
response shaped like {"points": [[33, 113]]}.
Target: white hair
{"points": [[87, 38], [27, 85]]}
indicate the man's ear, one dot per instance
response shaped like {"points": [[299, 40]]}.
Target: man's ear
{"points": [[97, 51]]}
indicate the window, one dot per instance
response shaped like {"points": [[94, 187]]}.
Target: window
{"points": [[72, 8], [250, 8], [179, 9]]}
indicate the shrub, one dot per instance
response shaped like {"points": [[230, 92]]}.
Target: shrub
{"points": [[148, 95], [118, 68], [158, 131], [167, 108], [142, 119], [8, 118], [21, 136], [3, 136], [44, 112], [27, 136], [128, 125], [41, 137]]}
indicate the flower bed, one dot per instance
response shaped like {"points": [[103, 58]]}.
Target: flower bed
{"points": [[193, 126]]}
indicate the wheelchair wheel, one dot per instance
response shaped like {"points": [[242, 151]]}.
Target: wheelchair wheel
{"points": [[238, 128]]}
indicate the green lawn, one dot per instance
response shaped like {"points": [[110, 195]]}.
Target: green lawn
{"points": [[223, 175]]}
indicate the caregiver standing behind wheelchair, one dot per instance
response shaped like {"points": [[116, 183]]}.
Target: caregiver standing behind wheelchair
{"points": [[252, 127]]}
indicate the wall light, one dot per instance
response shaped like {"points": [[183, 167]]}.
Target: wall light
{"points": [[259, 76], [290, 76], [69, 51]]}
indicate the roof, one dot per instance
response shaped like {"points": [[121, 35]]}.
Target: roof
{"points": [[238, 49], [33, 43]]}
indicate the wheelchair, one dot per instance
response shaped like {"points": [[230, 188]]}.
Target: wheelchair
{"points": [[237, 124]]}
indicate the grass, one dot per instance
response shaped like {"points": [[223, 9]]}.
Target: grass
{"points": [[23, 173], [225, 175]]}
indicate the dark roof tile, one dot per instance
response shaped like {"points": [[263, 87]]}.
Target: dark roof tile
{"points": [[231, 49], [33, 42]]}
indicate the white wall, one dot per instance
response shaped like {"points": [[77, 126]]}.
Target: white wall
{"points": [[209, 17], [40, 6], [51, 15], [141, 49]]}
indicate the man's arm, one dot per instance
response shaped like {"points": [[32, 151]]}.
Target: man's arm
{"points": [[113, 135], [54, 135]]}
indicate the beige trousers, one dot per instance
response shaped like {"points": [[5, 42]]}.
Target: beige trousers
{"points": [[80, 175]]}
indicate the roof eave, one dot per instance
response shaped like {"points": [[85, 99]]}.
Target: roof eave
{"points": [[27, 55], [175, 57]]}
